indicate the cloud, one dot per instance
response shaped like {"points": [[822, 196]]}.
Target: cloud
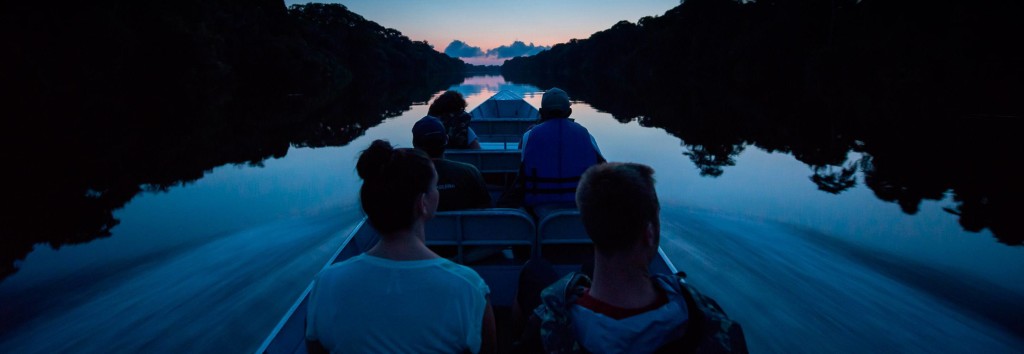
{"points": [[485, 60], [497, 56], [459, 49], [517, 49]]}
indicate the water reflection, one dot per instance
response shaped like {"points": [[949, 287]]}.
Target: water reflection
{"points": [[712, 159], [835, 179], [904, 161], [68, 190], [476, 85], [241, 243]]}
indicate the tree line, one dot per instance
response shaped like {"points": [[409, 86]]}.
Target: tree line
{"points": [[927, 92], [109, 98]]}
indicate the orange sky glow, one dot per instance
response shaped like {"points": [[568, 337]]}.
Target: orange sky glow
{"points": [[489, 24]]}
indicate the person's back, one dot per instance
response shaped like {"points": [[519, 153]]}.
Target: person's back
{"points": [[399, 296], [600, 327], [461, 185], [555, 153], [376, 305]]}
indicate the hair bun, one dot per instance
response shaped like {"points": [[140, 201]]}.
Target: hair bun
{"points": [[372, 160]]}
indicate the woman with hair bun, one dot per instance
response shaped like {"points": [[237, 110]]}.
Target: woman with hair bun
{"points": [[399, 296]]}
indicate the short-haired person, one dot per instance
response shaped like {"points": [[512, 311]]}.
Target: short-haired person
{"points": [[556, 151], [450, 109], [460, 184], [399, 296], [625, 308]]}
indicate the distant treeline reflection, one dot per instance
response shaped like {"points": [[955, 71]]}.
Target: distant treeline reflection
{"points": [[115, 97], [928, 92]]}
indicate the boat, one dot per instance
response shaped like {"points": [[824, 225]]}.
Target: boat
{"points": [[495, 242], [502, 119], [470, 237]]}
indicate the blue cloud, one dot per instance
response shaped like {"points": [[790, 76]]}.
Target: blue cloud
{"points": [[459, 49], [517, 49]]}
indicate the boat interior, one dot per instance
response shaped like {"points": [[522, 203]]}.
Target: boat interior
{"points": [[494, 242]]}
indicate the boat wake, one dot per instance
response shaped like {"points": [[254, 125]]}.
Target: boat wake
{"points": [[209, 297], [796, 290]]}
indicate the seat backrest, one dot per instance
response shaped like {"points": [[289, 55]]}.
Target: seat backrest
{"points": [[488, 161], [497, 226], [443, 229], [481, 227], [487, 127], [562, 227]]}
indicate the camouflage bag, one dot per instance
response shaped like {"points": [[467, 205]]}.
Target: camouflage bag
{"points": [[709, 329], [457, 125], [555, 326]]}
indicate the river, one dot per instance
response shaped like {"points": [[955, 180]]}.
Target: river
{"points": [[212, 265]]}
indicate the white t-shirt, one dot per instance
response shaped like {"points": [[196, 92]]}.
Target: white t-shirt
{"points": [[369, 304]]}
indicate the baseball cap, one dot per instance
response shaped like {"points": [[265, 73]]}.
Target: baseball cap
{"points": [[429, 132], [555, 98]]}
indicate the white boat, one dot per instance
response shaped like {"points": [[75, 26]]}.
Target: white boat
{"points": [[495, 242]]}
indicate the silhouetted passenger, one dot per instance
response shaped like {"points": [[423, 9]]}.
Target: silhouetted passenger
{"points": [[625, 308], [450, 109], [460, 184], [399, 296], [556, 151]]}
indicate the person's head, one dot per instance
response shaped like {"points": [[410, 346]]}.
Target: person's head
{"points": [[619, 206], [429, 135], [555, 104], [449, 102], [399, 186]]}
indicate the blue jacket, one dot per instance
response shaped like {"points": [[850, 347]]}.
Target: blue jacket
{"points": [[555, 154]]}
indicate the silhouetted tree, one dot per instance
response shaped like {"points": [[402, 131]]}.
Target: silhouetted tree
{"points": [[925, 91], [111, 98]]}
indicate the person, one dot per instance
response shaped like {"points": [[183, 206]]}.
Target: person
{"points": [[450, 109], [556, 151], [399, 296], [460, 184], [623, 307]]}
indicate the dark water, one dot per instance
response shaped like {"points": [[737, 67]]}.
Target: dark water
{"points": [[211, 265]]}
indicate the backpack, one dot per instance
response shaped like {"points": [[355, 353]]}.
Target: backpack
{"points": [[709, 329], [457, 126]]}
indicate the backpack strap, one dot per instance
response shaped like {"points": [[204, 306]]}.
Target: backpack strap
{"points": [[709, 329], [694, 328]]}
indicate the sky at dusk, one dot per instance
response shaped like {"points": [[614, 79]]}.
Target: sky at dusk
{"points": [[490, 24]]}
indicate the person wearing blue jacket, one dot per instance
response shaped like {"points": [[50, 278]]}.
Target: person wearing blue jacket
{"points": [[556, 151]]}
